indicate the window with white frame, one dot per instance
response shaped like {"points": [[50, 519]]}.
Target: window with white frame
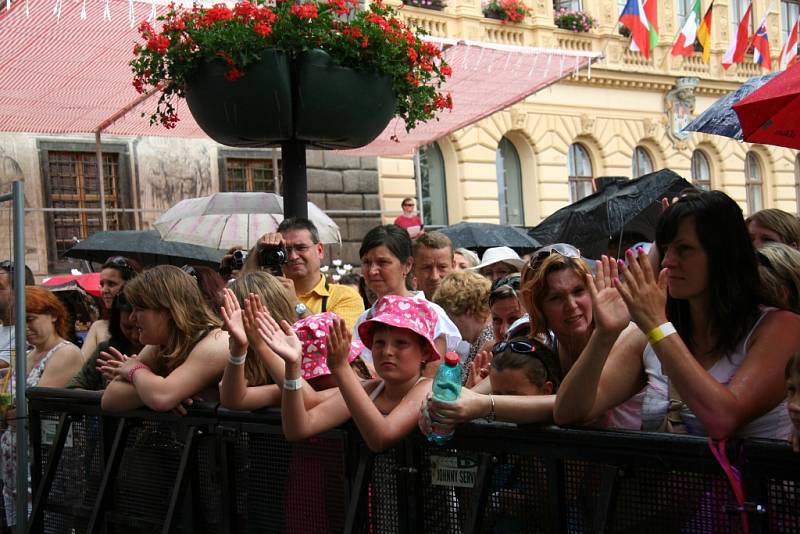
{"points": [[568, 4], [684, 7], [433, 185], [754, 183], [701, 170], [581, 174], [641, 163], [790, 10], [509, 183]]}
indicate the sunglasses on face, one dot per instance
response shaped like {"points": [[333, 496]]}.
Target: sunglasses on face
{"points": [[562, 249]]}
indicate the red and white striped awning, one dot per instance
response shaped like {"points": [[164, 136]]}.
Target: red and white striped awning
{"points": [[62, 73]]}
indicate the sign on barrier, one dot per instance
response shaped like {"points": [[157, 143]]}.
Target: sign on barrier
{"points": [[459, 471]]}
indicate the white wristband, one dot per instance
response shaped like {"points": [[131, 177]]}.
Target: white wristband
{"points": [[237, 360], [660, 332], [292, 385]]}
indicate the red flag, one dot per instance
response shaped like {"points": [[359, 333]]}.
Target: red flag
{"points": [[788, 55], [738, 47], [761, 45]]}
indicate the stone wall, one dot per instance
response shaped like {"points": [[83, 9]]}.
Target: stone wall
{"points": [[166, 170]]}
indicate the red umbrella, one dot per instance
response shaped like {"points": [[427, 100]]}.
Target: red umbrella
{"points": [[90, 282], [771, 114]]}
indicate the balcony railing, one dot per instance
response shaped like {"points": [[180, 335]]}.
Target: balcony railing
{"points": [[221, 471]]}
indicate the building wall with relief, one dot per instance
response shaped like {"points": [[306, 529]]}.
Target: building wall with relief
{"points": [[619, 111]]}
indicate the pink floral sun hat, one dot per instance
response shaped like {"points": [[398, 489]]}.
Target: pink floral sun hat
{"points": [[402, 312], [313, 332]]}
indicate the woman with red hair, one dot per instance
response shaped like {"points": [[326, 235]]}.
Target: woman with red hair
{"points": [[52, 362]]}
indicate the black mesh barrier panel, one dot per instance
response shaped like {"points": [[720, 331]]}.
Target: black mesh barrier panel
{"points": [[77, 479], [289, 487], [519, 498], [145, 479], [647, 498], [783, 504], [206, 486], [383, 506]]}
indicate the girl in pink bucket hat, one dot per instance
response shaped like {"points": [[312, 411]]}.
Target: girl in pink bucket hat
{"points": [[400, 336], [314, 332]]}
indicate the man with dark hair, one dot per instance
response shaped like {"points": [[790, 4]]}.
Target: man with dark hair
{"points": [[304, 281], [433, 260]]}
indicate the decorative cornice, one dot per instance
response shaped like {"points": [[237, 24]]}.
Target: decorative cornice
{"points": [[622, 80]]}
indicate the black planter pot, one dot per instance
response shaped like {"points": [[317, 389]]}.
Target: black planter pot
{"points": [[253, 111], [339, 107]]}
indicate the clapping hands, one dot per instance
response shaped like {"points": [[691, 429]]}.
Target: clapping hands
{"points": [[280, 338], [338, 344]]}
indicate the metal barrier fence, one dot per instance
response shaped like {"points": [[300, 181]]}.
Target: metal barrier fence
{"points": [[221, 471]]}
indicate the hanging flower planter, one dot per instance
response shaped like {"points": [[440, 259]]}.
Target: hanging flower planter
{"points": [[251, 111], [339, 107], [355, 70]]}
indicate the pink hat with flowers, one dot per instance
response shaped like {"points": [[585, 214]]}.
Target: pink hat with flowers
{"points": [[402, 312], [313, 332]]}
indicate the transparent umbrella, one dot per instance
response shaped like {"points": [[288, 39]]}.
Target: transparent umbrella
{"points": [[223, 220]]}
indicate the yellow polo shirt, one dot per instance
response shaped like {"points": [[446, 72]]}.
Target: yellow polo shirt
{"points": [[344, 301]]}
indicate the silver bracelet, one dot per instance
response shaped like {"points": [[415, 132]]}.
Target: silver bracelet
{"points": [[292, 384], [237, 360], [492, 415]]}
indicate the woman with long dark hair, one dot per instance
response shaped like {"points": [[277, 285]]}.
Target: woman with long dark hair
{"points": [[710, 356]]}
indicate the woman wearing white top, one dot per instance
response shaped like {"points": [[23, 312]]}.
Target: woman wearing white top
{"points": [[386, 259], [718, 367]]}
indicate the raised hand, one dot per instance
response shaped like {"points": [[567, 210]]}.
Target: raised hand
{"points": [[280, 338], [609, 310], [109, 361], [644, 294], [252, 306], [338, 344], [234, 325], [478, 368]]}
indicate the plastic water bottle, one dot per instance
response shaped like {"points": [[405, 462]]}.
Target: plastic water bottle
{"points": [[446, 387]]}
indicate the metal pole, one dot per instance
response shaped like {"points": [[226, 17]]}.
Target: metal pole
{"points": [[99, 151], [418, 180], [295, 182], [20, 359]]}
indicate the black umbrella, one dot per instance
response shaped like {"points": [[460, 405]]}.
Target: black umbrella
{"points": [[631, 206], [720, 118], [144, 246], [480, 236]]}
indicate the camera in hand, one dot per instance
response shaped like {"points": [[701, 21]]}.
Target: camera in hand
{"points": [[273, 257], [239, 257]]}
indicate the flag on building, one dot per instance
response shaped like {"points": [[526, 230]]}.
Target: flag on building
{"points": [[789, 51], [739, 44], [684, 44], [704, 33], [761, 45], [651, 14], [634, 19]]}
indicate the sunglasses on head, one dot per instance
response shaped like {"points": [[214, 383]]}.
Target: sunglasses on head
{"points": [[562, 249], [511, 281], [522, 347], [119, 261], [7, 265], [191, 271]]}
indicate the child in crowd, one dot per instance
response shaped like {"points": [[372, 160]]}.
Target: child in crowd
{"points": [[400, 335], [793, 398], [523, 381]]}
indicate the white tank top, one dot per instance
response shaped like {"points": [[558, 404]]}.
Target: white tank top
{"points": [[774, 424]]}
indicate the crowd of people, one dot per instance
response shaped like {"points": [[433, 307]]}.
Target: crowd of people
{"points": [[696, 333]]}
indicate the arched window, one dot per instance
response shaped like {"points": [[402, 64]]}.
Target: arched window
{"points": [[754, 183], [701, 170], [509, 183], [579, 168], [434, 190], [642, 163], [797, 182]]}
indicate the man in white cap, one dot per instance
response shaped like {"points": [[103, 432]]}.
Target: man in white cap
{"points": [[499, 262]]}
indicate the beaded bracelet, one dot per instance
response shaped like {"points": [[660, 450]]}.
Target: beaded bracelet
{"points": [[135, 368]]}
